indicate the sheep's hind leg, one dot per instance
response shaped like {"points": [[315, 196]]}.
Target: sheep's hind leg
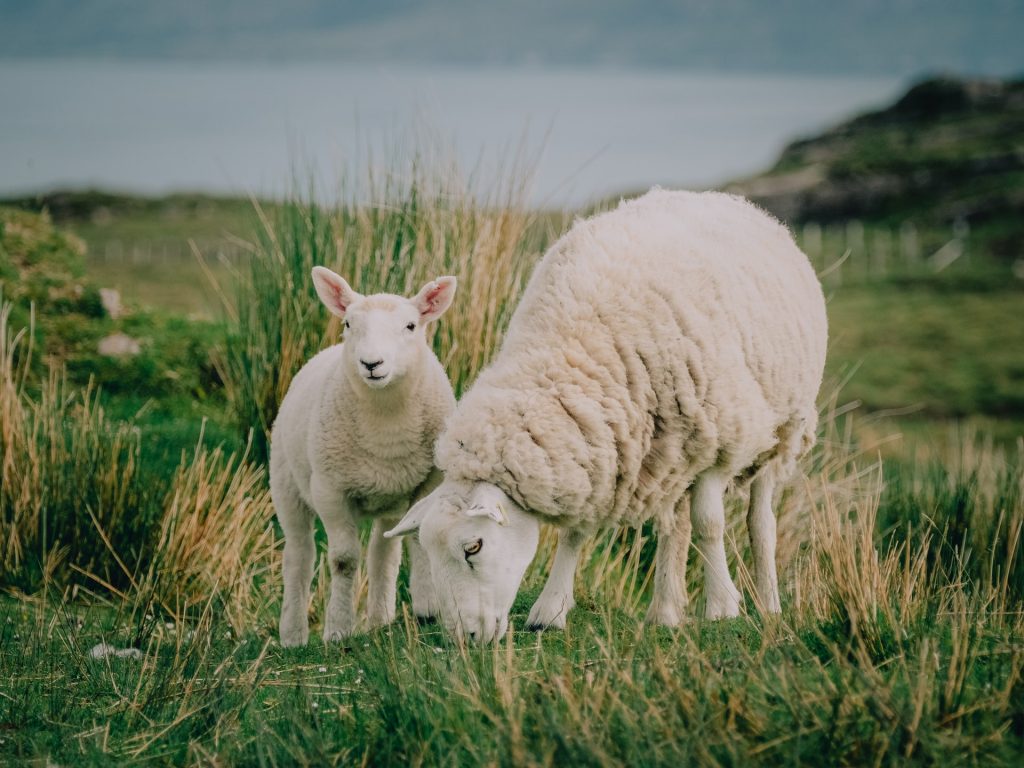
{"points": [[708, 515], [343, 557], [762, 531], [296, 520], [556, 599], [668, 605], [383, 558]]}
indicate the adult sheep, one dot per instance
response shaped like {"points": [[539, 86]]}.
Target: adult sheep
{"points": [[354, 438], [674, 344]]}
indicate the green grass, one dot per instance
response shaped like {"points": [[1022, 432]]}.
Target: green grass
{"points": [[928, 668]]}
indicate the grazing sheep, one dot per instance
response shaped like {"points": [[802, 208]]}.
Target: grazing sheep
{"points": [[675, 344], [354, 438]]}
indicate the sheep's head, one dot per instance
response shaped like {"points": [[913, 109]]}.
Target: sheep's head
{"points": [[479, 543], [384, 333]]}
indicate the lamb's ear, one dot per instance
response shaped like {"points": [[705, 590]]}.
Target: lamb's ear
{"points": [[334, 292], [411, 522], [494, 511], [434, 298]]}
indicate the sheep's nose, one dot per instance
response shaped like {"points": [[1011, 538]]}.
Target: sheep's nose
{"points": [[371, 366]]}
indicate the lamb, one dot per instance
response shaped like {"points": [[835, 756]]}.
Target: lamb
{"points": [[660, 351], [353, 439]]}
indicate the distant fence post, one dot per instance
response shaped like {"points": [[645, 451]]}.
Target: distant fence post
{"points": [[881, 243], [909, 247], [855, 245], [812, 242]]}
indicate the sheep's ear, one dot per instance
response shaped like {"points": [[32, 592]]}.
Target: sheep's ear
{"points": [[494, 511], [434, 298], [411, 522], [334, 292]]}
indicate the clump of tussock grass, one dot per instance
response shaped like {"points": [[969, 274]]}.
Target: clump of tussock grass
{"points": [[64, 468], [77, 509]]}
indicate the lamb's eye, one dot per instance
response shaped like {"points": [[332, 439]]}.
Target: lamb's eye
{"points": [[473, 547], [346, 325], [411, 327]]}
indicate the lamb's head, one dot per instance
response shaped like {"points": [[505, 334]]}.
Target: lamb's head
{"points": [[479, 543], [384, 333]]}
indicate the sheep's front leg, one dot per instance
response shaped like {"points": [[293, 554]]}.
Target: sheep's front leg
{"points": [[383, 558], [762, 531], [668, 605], [556, 599], [708, 514], [343, 557]]}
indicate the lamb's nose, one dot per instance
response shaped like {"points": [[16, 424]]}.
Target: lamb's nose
{"points": [[371, 366]]}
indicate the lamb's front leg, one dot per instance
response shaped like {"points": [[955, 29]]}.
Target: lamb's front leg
{"points": [[383, 558], [556, 599], [342, 554], [668, 605]]}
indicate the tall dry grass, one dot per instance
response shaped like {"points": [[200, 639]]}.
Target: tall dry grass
{"points": [[411, 222], [76, 507]]}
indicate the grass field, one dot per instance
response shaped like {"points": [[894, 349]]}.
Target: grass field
{"points": [[138, 516]]}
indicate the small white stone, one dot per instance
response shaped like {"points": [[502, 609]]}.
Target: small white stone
{"points": [[321, 669], [315, 705]]}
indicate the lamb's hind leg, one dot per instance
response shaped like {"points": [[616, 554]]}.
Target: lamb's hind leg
{"points": [[761, 529], [296, 520], [421, 587], [343, 557], [556, 599], [383, 558], [668, 605], [708, 514]]}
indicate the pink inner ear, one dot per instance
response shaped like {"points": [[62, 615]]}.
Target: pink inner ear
{"points": [[434, 299], [338, 294]]}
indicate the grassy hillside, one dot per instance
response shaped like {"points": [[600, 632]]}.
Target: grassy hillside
{"points": [[948, 151]]}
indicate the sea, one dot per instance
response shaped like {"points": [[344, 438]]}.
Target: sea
{"points": [[571, 136]]}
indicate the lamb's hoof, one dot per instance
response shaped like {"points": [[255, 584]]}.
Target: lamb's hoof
{"points": [[425, 620], [376, 622], [294, 637], [551, 615], [335, 636]]}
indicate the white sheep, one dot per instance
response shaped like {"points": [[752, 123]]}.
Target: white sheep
{"points": [[674, 344], [354, 438]]}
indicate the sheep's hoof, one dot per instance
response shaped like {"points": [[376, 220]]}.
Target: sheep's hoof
{"points": [[665, 615], [723, 608], [425, 619], [551, 615]]}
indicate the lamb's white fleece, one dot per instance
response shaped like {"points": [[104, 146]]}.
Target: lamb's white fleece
{"points": [[376, 444], [681, 331]]}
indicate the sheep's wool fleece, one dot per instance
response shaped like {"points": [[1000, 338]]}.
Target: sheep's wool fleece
{"points": [[679, 332]]}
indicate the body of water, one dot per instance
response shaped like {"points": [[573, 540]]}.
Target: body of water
{"points": [[154, 127]]}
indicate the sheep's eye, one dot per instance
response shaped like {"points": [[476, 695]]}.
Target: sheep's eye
{"points": [[473, 547], [411, 327], [346, 324]]}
